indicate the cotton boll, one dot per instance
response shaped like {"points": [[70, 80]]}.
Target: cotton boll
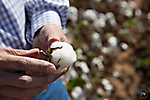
{"points": [[124, 46], [109, 15], [102, 16], [113, 22], [105, 81], [113, 41], [132, 4], [83, 65], [104, 50], [88, 85], [73, 73], [138, 12], [108, 87], [99, 23], [148, 16], [115, 73], [129, 12], [64, 45], [124, 4], [85, 77], [90, 14], [96, 61], [63, 55], [96, 40], [73, 14], [100, 91], [78, 93]]}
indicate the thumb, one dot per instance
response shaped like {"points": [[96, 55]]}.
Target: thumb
{"points": [[51, 40]]}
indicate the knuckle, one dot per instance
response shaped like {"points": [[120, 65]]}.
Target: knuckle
{"points": [[14, 51], [10, 51], [17, 52]]}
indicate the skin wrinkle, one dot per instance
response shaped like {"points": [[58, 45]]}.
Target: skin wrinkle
{"points": [[9, 51], [22, 63]]}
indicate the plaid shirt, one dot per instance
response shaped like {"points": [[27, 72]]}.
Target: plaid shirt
{"points": [[20, 19]]}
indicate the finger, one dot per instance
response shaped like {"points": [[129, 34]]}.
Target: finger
{"points": [[6, 98], [57, 75], [18, 93], [52, 32], [25, 64], [24, 81], [29, 53]]}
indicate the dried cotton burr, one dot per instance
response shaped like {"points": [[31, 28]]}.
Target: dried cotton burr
{"points": [[61, 54]]}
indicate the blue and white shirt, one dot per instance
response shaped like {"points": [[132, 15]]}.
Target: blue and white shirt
{"points": [[20, 19]]}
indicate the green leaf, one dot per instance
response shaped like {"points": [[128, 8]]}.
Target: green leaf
{"points": [[129, 22], [101, 96], [142, 61], [91, 54], [75, 82], [97, 76], [123, 31]]}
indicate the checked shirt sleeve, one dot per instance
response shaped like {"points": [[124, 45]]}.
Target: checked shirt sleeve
{"points": [[42, 12]]}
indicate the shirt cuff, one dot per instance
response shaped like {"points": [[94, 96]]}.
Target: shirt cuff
{"points": [[44, 17]]}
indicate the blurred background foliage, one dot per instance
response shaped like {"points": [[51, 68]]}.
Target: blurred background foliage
{"points": [[112, 42]]}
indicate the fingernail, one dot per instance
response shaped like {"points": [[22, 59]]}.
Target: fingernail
{"points": [[54, 39], [50, 79], [51, 69], [33, 50]]}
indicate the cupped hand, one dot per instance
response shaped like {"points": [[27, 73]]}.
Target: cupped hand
{"points": [[16, 86], [47, 35]]}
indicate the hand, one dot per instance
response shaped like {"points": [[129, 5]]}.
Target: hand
{"points": [[16, 86], [47, 35]]}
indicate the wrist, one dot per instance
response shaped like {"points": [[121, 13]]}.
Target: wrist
{"points": [[37, 32]]}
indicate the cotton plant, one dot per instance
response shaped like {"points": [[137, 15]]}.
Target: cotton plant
{"points": [[61, 54]]}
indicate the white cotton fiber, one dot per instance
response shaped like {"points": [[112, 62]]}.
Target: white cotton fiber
{"points": [[63, 55]]}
